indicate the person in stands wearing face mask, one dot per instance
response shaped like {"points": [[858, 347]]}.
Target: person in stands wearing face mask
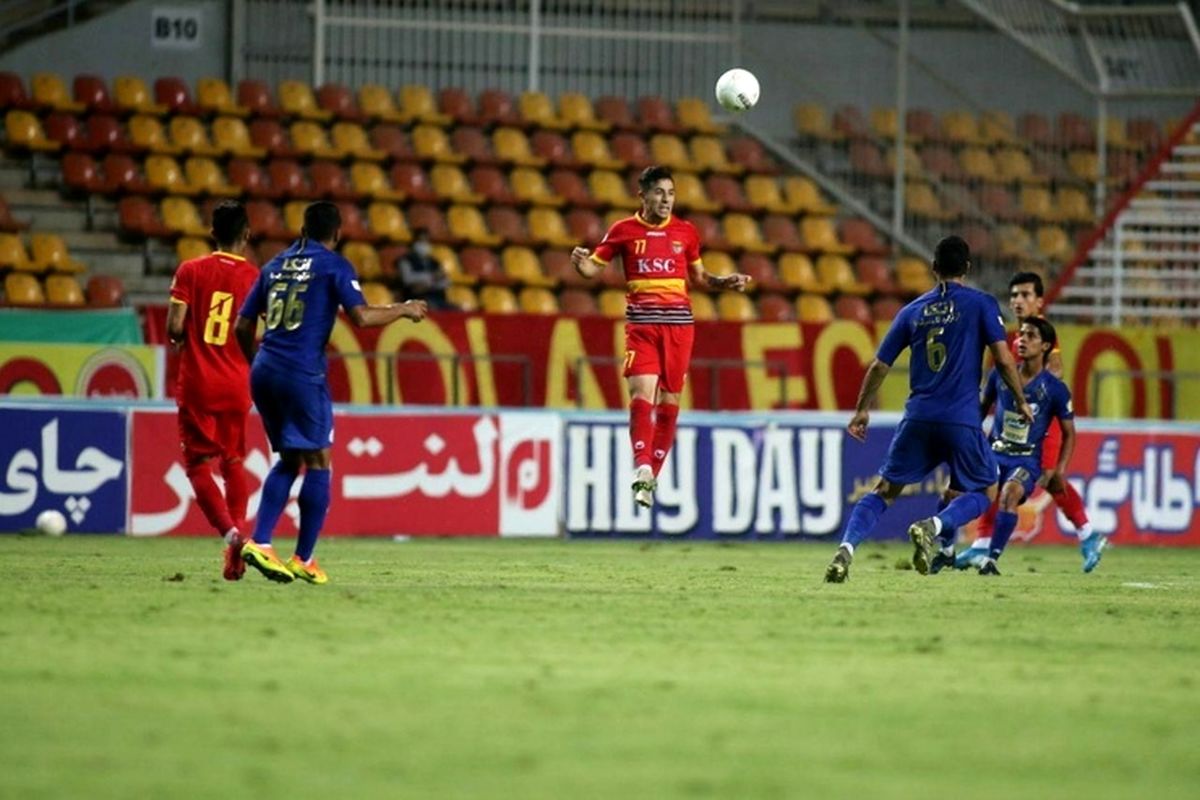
{"points": [[423, 276]]}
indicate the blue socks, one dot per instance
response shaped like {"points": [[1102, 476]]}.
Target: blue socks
{"points": [[314, 503], [1006, 523], [962, 510], [275, 492], [863, 518]]}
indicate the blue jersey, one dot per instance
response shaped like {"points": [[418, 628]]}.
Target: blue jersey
{"points": [[1049, 398], [947, 329], [299, 291]]}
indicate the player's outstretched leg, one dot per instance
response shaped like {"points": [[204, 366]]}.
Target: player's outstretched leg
{"points": [[959, 512], [314, 504], [641, 435], [259, 553], [974, 555], [216, 511], [236, 499], [943, 557], [861, 522], [666, 418]]}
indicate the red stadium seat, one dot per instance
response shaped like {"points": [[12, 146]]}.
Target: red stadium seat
{"points": [[727, 191], [885, 309], [339, 101], [265, 221], [862, 236], [457, 104], [570, 186], [775, 308], [491, 183], [483, 265], [556, 265], [412, 180], [81, 174], [632, 149], [271, 136], [1036, 130], [749, 154], [105, 291], [509, 225], [781, 231], [123, 175], [105, 134], [496, 108], [1076, 132], [9, 223], [92, 92], [553, 146], [656, 114], [256, 96], [585, 225], [854, 309], [330, 181], [762, 272], [253, 179], [474, 144], [174, 94], [392, 140], [615, 111], [426, 217], [876, 273], [849, 121], [578, 303], [65, 129], [138, 217], [13, 94]]}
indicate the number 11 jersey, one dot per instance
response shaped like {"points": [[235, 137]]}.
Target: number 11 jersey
{"points": [[213, 373], [299, 292]]}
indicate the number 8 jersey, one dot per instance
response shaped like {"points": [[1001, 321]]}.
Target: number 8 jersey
{"points": [[299, 292], [213, 373], [947, 328]]}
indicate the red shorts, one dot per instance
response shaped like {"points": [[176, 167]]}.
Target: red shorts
{"points": [[208, 434], [662, 350], [1051, 445]]}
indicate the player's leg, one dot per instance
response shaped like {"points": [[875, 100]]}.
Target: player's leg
{"points": [[232, 428], [862, 520], [314, 505], [972, 475], [198, 434], [273, 397], [677, 343], [1065, 496], [1018, 483], [974, 555], [642, 369]]}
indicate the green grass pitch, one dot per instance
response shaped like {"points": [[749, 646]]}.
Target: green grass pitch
{"points": [[480, 669]]}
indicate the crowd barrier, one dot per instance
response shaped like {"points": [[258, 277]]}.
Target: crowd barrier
{"points": [[112, 467]]}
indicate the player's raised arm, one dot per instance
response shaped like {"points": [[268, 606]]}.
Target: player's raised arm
{"points": [[584, 264], [876, 372], [365, 316], [1008, 373]]}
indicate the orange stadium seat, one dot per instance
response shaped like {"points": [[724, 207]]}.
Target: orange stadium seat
{"points": [[387, 221], [482, 265], [576, 109], [49, 252], [608, 189], [875, 272], [1084, 164], [694, 117], [913, 276], [50, 92], [463, 298], [14, 256], [105, 291], [530, 186], [813, 308], [612, 303], [631, 149], [736, 306], [365, 259], [451, 186], [377, 103], [780, 230], [977, 164], [584, 225], [552, 146], [819, 235], [853, 309], [497, 300], [64, 290], [25, 132], [743, 233], [377, 294], [812, 122], [775, 308], [727, 192], [570, 186], [835, 271], [537, 111], [132, 96], [417, 104], [369, 179], [885, 309], [214, 97], [23, 289], [339, 101], [293, 217], [668, 150]]}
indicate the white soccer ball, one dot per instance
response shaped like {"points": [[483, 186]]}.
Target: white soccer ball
{"points": [[737, 90], [52, 523]]}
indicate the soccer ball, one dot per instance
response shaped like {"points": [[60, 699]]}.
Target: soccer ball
{"points": [[52, 523], [737, 90]]}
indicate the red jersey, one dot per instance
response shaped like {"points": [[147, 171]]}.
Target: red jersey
{"points": [[213, 373], [656, 260]]}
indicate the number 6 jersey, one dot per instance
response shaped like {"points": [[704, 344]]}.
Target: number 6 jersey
{"points": [[213, 373], [299, 292]]}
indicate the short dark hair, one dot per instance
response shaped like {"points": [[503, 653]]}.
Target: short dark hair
{"points": [[322, 221], [952, 257], [652, 175], [1028, 277], [229, 222], [1045, 329]]}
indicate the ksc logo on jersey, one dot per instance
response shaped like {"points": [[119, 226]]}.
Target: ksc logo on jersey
{"points": [[647, 266]]}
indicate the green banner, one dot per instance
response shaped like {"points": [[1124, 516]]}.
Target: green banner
{"points": [[106, 326]]}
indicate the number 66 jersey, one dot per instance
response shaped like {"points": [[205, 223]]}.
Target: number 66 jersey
{"points": [[213, 373]]}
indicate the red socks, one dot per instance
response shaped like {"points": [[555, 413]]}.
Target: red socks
{"points": [[987, 523], [237, 492], [665, 417], [641, 430], [209, 497], [1071, 504]]}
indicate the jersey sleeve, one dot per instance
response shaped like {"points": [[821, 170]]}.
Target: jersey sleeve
{"points": [[898, 337], [608, 247], [992, 321], [693, 246], [256, 299], [1064, 409], [345, 282], [181, 284]]}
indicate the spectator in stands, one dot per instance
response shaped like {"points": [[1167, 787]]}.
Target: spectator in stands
{"points": [[423, 276]]}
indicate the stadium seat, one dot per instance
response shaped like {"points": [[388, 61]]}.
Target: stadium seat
{"points": [[615, 112], [608, 189], [576, 109], [703, 307], [455, 103], [13, 94], [172, 94], [631, 149], [497, 300], [417, 105], [1013, 165], [530, 187], [179, 214], [1144, 133], [913, 276], [255, 96], [429, 218], [369, 179], [266, 221], [961, 128], [749, 154], [813, 308], [25, 133], [339, 101], [49, 252], [977, 164], [835, 272], [556, 265], [655, 114], [105, 291], [537, 111], [330, 181], [819, 235], [205, 177], [719, 264], [812, 122], [13, 255], [735, 306], [466, 223], [725, 191], [1054, 244], [694, 117], [496, 108], [1037, 204], [291, 179], [591, 149], [547, 227], [137, 216], [940, 162], [252, 179], [293, 217], [533, 300], [189, 135], [867, 160], [231, 136], [780, 231], [1073, 205], [743, 233], [412, 180], [585, 226], [761, 270], [473, 143], [912, 162], [921, 201], [711, 233], [521, 266], [213, 96], [1013, 241], [49, 92], [66, 130], [482, 266], [377, 103], [147, 133], [1035, 130], [998, 201], [1116, 135], [430, 143], [122, 175], [512, 147], [365, 259], [691, 195], [463, 298], [921, 125], [451, 185], [22, 289], [850, 122], [885, 123], [92, 93], [1075, 131], [1085, 165], [377, 294], [552, 146], [853, 309], [862, 236], [386, 221], [311, 141], [775, 308], [64, 290], [577, 303], [9, 223], [132, 96], [668, 150], [874, 272], [508, 225], [349, 139], [885, 309], [297, 100], [568, 185], [979, 239], [762, 192], [491, 183], [801, 194], [188, 248], [708, 153], [612, 303], [997, 127]]}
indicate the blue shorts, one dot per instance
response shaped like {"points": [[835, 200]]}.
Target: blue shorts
{"points": [[1024, 470], [919, 447], [296, 413]]}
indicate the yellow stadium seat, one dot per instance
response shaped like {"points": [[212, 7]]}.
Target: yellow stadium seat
{"points": [[230, 135], [522, 266], [1073, 205], [147, 132], [912, 162], [835, 271], [1013, 164], [742, 231], [386, 220], [376, 294], [467, 223], [377, 103], [23, 289], [803, 195], [1014, 242], [812, 121], [813, 308], [884, 123], [920, 201], [431, 143], [961, 127], [25, 132], [819, 234], [49, 251], [365, 259], [996, 127], [668, 150], [693, 115], [796, 271], [577, 110], [546, 226], [537, 109], [1115, 134], [1084, 164], [1054, 243], [736, 306], [690, 194], [612, 303], [180, 215], [463, 297], [1036, 203], [607, 187], [310, 139], [190, 135], [14, 256], [163, 173], [297, 100], [530, 186], [512, 145], [213, 96], [538, 301], [417, 103], [189, 247], [293, 216], [615, 215], [763, 192], [131, 94], [451, 185], [709, 154], [49, 90], [350, 138], [64, 290], [913, 275], [719, 263], [497, 300], [592, 149], [448, 258], [370, 179], [703, 307], [977, 163]]}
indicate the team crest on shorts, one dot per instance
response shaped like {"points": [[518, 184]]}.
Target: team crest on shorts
{"points": [[677, 247]]}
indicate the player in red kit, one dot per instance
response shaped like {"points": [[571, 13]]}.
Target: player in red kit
{"points": [[1025, 297], [658, 252], [214, 377]]}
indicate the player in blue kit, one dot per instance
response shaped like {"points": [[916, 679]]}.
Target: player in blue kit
{"points": [[299, 292], [1016, 441], [947, 329]]}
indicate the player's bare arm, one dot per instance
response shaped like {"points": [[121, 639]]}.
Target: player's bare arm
{"points": [[176, 316], [737, 281], [584, 264], [876, 372], [1008, 373], [244, 331], [376, 316], [1054, 364], [1068, 446]]}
